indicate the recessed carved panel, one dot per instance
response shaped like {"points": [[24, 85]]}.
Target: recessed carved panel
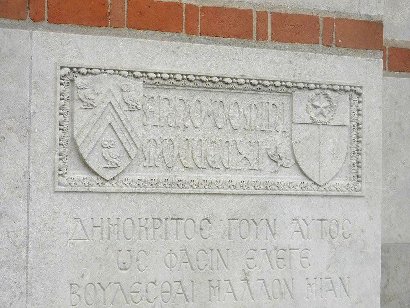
{"points": [[125, 130]]}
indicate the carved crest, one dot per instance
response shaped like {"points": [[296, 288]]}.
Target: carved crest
{"points": [[131, 130], [320, 136], [321, 108], [102, 129]]}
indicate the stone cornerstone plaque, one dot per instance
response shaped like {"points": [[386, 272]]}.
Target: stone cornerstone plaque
{"points": [[170, 174], [125, 130]]}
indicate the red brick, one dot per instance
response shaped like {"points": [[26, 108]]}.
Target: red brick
{"points": [[155, 15], [13, 9], [359, 34], [262, 26], [37, 10], [295, 28], [328, 31], [191, 19], [117, 13], [399, 59], [78, 12], [227, 22]]}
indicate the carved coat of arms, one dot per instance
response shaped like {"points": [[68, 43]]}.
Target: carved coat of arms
{"points": [[320, 135], [127, 130], [102, 128]]}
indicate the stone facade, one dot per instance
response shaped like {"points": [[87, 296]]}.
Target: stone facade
{"points": [[191, 153]]}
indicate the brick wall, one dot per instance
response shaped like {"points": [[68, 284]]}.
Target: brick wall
{"points": [[212, 21]]}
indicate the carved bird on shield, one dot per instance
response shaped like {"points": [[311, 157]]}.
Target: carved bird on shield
{"points": [[111, 156], [281, 156], [87, 94], [131, 97]]}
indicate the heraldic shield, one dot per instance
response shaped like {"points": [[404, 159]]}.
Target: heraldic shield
{"points": [[320, 133], [102, 130]]}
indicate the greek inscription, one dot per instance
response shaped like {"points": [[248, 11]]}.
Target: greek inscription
{"points": [[140, 228], [127, 258], [200, 260], [327, 287], [278, 258], [137, 292], [251, 229], [323, 228], [228, 290], [203, 259]]}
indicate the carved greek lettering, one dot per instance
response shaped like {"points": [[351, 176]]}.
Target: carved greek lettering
{"points": [[113, 228], [79, 232], [203, 259], [252, 229], [135, 293], [261, 271], [122, 298], [128, 228], [205, 228], [99, 227], [245, 290], [346, 229], [126, 258], [125, 263], [188, 228], [247, 293], [327, 287], [138, 292], [277, 258], [323, 228], [75, 298], [90, 293], [104, 289]]}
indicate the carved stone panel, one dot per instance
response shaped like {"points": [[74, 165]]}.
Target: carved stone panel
{"points": [[172, 174], [128, 130]]}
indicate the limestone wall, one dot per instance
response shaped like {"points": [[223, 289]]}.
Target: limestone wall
{"points": [[341, 31], [396, 198]]}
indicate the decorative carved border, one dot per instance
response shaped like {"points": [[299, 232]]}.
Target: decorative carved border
{"points": [[199, 184]]}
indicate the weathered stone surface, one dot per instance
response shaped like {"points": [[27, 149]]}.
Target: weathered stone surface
{"points": [[396, 20], [14, 112], [396, 164], [395, 286], [218, 250], [395, 209]]}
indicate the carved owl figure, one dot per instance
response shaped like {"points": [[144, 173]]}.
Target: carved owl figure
{"points": [[130, 96], [87, 94], [111, 156]]}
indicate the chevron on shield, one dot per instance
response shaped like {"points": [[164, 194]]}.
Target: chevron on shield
{"points": [[103, 133]]}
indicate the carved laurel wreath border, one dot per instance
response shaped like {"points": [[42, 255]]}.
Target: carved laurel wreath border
{"points": [[66, 182]]}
